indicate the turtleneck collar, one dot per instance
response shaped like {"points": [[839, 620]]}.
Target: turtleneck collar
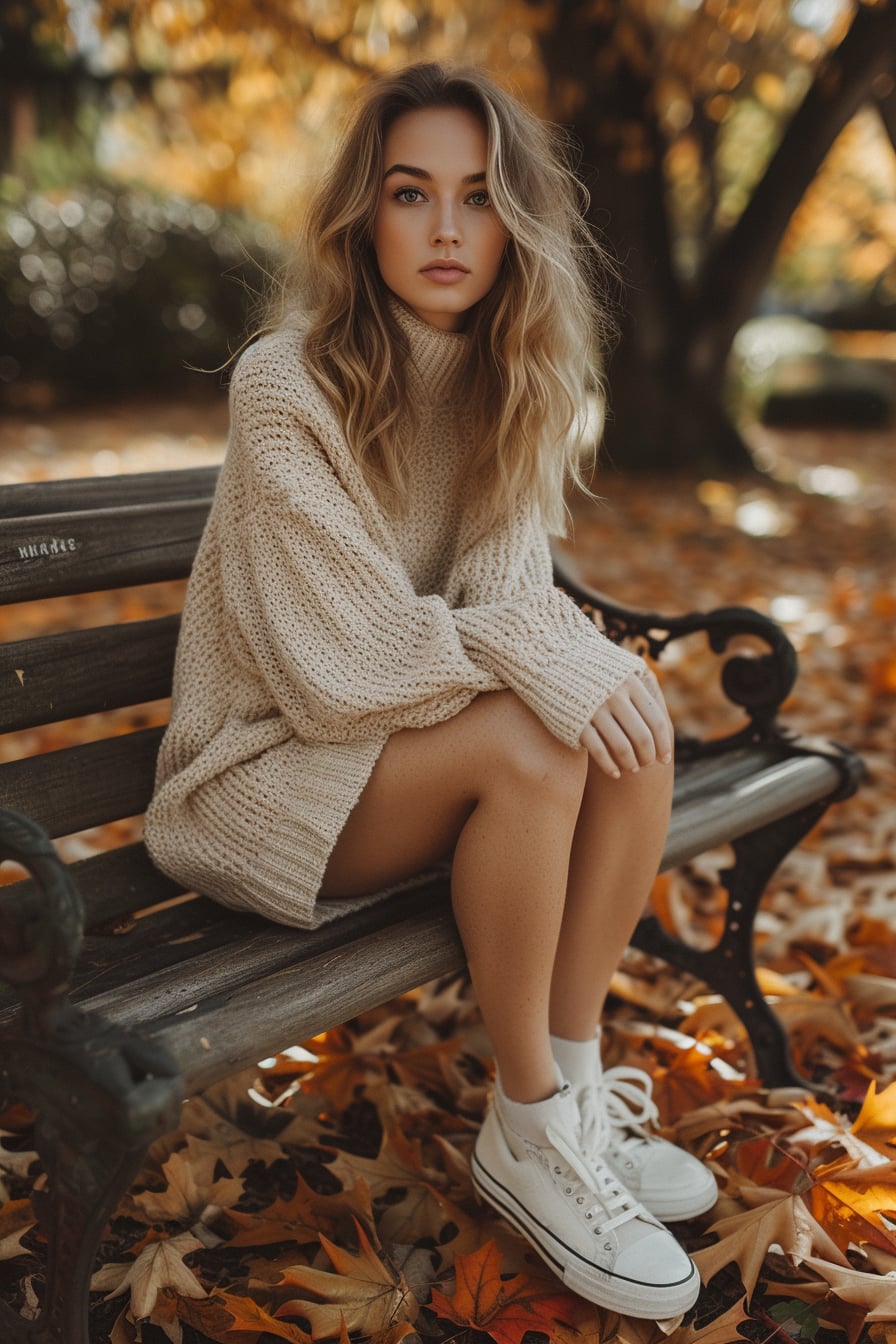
{"points": [[435, 355]]}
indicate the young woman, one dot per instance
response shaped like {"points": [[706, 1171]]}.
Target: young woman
{"points": [[376, 673]]}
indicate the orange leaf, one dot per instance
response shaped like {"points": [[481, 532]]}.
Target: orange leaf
{"points": [[851, 1205], [876, 1121], [224, 1315], [504, 1308]]}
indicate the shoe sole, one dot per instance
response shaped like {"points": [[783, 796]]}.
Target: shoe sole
{"points": [[604, 1288], [680, 1213]]}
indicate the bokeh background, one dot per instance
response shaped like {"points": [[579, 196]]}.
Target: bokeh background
{"points": [[740, 155]]}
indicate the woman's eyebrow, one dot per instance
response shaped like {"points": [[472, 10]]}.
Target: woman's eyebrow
{"points": [[424, 175]]}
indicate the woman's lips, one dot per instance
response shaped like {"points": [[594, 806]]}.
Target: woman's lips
{"points": [[445, 273]]}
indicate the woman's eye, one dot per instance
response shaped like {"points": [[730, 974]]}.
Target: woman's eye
{"points": [[479, 198], [410, 195]]}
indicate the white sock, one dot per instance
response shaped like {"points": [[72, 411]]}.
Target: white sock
{"points": [[579, 1061], [527, 1119]]}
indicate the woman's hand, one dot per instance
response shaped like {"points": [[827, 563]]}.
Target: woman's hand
{"points": [[630, 729]]}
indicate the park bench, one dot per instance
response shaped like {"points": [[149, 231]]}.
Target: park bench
{"points": [[123, 994]]}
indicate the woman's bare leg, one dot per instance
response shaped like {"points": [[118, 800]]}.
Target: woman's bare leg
{"points": [[616, 852], [492, 786]]}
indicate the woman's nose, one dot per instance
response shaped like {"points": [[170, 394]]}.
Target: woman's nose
{"points": [[447, 230]]}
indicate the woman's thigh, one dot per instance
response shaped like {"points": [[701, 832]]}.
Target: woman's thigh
{"points": [[427, 782]]}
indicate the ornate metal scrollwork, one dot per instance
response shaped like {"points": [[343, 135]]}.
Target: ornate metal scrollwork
{"points": [[757, 684], [100, 1093]]}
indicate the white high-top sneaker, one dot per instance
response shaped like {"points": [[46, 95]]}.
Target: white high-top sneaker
{"points": [[617, 1110], [596, 1237]]}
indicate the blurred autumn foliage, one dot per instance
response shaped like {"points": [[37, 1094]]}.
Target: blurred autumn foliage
{"points": [[739, 154]]}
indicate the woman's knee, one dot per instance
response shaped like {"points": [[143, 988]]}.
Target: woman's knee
{"points": [[518, 751]]}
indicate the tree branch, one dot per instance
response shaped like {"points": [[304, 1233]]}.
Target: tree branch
{"points": [[886, 106], [735, 271]]}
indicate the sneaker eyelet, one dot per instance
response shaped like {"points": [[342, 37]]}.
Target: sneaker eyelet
{"points": [[580, 1199]]}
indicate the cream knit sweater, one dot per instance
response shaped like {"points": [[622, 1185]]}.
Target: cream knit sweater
{"points": [[315, 627]]}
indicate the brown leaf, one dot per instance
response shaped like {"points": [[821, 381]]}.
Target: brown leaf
{"points": [[303, 1217], [745, 1238], [16, 1217], [160, 1265], [190, 1186], [866, 1290], [363, 1291]]}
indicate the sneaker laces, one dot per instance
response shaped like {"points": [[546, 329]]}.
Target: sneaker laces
{"points": [[595, 1185], [627, 1097], [615, 1111]]}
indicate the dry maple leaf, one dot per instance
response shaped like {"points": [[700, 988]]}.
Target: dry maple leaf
{"points": [[876, 1122], [504, 1308], [223, 1316], [876, 1293], [303, 1217], [745, 1238], [159, 1265], [722, 1330], [16, 1217], [853, 1202], [190, 1186], [362, 1289]]}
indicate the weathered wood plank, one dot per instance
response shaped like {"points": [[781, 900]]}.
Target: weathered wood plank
{"points": [[235, 950], [725, 811], [106, 492], [70, 790], [54, 677], [57, 554], [296, 1003]]}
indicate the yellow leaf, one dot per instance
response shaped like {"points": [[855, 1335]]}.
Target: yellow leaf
{"points": [[876, 1121], [853, 1203]]}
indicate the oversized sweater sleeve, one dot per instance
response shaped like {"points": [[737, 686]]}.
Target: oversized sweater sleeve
{"points": [[329, 619], [514, 621]]}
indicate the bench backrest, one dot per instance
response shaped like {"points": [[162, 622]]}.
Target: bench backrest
{"points": [[59, 540]]}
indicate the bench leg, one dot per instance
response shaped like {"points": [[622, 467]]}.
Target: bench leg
{"points": [[729, 967], [92, 1148]]}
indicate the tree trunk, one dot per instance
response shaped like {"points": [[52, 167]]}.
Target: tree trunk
{"points": [[667, 374]]}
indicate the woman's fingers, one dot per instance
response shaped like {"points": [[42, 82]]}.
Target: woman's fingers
{"points": [[594, 745], [631, 729]]}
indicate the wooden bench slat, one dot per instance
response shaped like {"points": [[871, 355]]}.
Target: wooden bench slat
{"points": [[55, 677], [236, 949], [728, 811], [78, 787], [212, 1042], [57, 554], [27, 498]]}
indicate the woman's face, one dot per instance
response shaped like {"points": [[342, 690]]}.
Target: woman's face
{"points": [[437, 238]]}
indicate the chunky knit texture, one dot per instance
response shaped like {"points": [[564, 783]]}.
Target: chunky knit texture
{"points": [[315, 626]]}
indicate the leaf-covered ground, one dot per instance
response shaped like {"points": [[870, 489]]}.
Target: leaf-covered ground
{"points": [[326, 1195]]}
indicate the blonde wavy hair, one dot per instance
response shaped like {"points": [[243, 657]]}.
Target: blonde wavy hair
{"points": [[533, 363]]}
